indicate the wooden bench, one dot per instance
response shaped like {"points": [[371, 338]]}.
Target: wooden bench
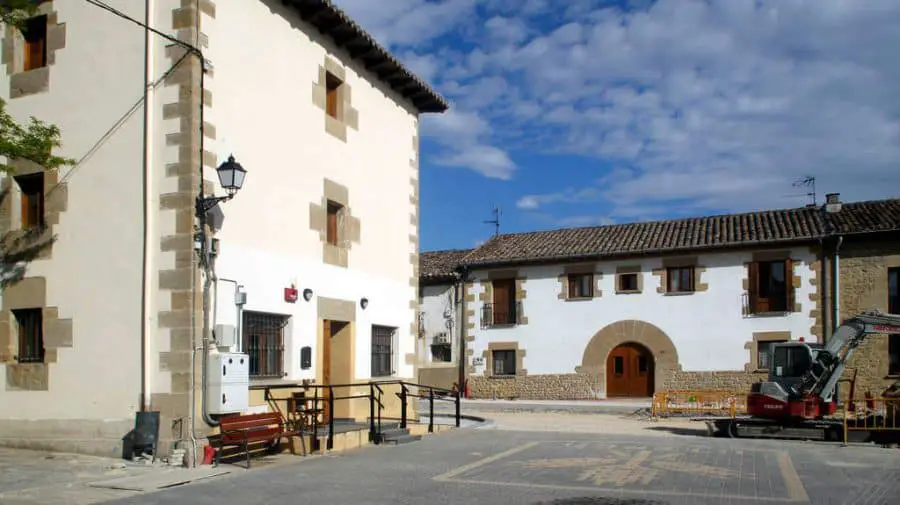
{"points": [[244, 430]]}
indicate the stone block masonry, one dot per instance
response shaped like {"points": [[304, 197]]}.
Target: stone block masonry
{"points": [[572, 386]]}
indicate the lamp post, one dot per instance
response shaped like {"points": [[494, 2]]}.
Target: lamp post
{"points": [[231, 177]]}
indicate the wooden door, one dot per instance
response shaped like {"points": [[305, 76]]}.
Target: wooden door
{"points": [[629, 372], [326, 367]]}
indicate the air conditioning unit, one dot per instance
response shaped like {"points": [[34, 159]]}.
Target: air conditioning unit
{"points": [[228, 385]]}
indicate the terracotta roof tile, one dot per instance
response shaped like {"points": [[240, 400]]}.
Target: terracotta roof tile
{"points": [[440, 265], [689, 234]]}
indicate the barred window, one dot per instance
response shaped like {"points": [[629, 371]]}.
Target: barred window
{"points": [[382, 350], [263, 338]]}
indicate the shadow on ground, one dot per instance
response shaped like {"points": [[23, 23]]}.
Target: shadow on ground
{"points": [[599, 500], [675, 430]]}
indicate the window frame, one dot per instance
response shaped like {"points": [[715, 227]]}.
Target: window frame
{"points": [[270, 340], [31, 192], [34, 34], [379, 366], [332, 224], [31, 348], [631, 275], [576, 281], [512, 356], [333, 85], [676, 272], [759, 304]]}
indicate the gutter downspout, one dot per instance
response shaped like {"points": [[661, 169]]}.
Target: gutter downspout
{"points": [[825, 292], [463, 325], [147, 213], [836, 284]]}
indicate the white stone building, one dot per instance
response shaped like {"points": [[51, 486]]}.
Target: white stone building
{"points": [[630, 309], [323, 236]]}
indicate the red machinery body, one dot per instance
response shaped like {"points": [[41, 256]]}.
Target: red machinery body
{"points": [[809, 407]]}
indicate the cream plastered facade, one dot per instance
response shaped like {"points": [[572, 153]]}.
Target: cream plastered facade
{"points": [[262, 99], [83, 397], [298, 158], [707, 330]]}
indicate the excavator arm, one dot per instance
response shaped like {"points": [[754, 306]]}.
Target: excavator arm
{"points": [[822, 377]]}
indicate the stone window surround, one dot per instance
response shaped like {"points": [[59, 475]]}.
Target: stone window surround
{"points": [[487, 293], [31, 293], [753, 347], [348, 224], [775, 255], [22, 83], [677, 262], [625, 270], [580, 269], [488, 355], [347, 115]]}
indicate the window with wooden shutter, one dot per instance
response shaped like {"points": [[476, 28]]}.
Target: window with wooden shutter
{"points": [[771, 287], [32, 190], [332, 86], [332, 235], [504, 304], [35, 35]]}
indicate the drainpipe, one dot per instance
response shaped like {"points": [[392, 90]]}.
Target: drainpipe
{"points": [[825, 291], [147, 211], [238, 309], [463, 325], [836, 275]]}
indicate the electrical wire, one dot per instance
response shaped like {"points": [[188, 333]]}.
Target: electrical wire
{"points": [[117, 125], [113, 10]]}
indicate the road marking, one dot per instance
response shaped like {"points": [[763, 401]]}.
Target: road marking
{"points": [[490, 459], [791, 478]]}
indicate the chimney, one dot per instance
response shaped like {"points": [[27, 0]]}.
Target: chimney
{"points": [[833, 202]]}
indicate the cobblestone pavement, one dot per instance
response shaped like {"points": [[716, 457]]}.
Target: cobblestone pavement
{"points": [[529, 468]]}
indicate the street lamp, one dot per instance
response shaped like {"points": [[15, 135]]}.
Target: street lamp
{"points": [[231, 178]]}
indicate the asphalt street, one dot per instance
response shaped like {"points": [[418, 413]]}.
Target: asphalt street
{"points": [[529, 468]]}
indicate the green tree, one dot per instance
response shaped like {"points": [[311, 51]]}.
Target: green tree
{"points": [[33, 141]]}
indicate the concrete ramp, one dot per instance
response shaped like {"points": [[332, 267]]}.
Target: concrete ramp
{"points": [[161, 480]]}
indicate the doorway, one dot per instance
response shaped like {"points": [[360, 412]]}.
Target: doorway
{"points": [[337, 364], [629, 372]]}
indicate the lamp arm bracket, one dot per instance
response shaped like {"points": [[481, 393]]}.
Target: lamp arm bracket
{"points": [[205, 203]]}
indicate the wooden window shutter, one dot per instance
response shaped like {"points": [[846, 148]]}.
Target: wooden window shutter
{"points": [[753, 286], [789, 285]]}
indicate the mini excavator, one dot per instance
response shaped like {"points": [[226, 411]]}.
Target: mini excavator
{"points": [[798, 399]]}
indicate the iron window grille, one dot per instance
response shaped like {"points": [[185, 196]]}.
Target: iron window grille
{"points": [[30, 323], [383, 350], [264, 343]]}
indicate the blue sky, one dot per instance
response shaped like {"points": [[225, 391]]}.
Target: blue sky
{"points": [[577, 113]]}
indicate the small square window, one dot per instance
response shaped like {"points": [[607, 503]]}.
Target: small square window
{"points": [[30, 326], [680, 280], [581, 286], [628, 282], [504, 362]]}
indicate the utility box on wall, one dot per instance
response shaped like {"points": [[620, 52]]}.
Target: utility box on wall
{"points": [[228, 383], [226, 335]]}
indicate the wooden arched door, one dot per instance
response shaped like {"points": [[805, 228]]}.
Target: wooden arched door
{"points": [[629, 372]]}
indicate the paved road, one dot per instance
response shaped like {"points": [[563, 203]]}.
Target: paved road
{"points": [[529, 468]]}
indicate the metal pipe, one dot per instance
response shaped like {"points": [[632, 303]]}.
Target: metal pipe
{"points": [[147, 213], [238, 310], [836, 276]]}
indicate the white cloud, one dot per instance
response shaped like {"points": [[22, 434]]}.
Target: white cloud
{"points": [[711, 105]]}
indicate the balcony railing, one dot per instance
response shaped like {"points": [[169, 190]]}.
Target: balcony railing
{"points": [[493, 314], [753, 304]]}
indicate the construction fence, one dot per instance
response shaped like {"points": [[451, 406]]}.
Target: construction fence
{"points": [[689, 403], [879, 416]]}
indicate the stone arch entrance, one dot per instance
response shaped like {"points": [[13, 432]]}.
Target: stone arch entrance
{"points": [[663, 357], [629, 371]]}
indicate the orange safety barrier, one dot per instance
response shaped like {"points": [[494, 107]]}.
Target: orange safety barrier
{"points": [[876, 415], [708, 402]]}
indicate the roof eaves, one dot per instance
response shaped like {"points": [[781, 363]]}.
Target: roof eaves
{"points": [[332, 21]]}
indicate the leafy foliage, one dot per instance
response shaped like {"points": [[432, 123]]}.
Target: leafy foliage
{"points": [[35, 142]]}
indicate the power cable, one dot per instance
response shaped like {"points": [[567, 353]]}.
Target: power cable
{"points": [[118, 124]]}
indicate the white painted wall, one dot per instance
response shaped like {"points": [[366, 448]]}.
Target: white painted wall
{"points": [[437, 306], [265, 275], [707, 328], [94, 276], [265, 68]]}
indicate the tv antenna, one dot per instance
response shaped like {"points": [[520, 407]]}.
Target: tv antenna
{"points": [[495, 221], [810, 182]]}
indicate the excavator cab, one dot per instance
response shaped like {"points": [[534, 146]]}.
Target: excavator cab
{"points": [[790, 361]]}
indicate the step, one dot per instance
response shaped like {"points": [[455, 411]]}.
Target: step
{"points": [[403, 439]]}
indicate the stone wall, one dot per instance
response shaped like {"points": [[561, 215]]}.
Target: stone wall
{"points": [[864, 286], [736, 381], [572, 386]]}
